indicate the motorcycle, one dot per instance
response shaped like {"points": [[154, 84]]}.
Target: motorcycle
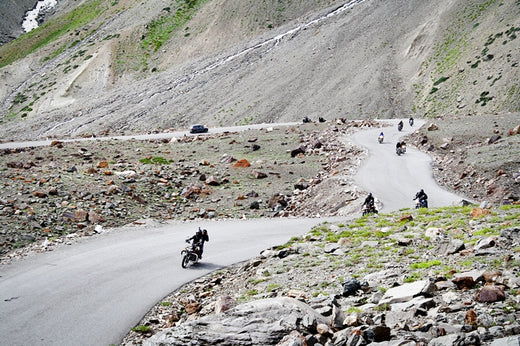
{"points": [[421, 203], [190, 255], [410, 121], [400, 126], [380, 139], [400, 150], [369, 209]]}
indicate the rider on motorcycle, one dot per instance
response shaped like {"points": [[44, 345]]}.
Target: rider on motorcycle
{"points": [[369, 201], [400, 125], [422, 197], [381, 137], [198, 240], [368, 205]]}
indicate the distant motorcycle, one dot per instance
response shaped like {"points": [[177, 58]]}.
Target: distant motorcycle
{"points": [[380, 139], [190, 255], [400, 149], [410, 121], [369, 209], [421, 203]]}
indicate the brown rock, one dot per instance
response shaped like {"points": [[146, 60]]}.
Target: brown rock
{"points": [[323, 329], [92, 170], [94, 217], [479, 212], [464, 282], [242, 163], [53, 191], [471, 318], [40, 194], [57, 144], [406, 217], [277, 199], [491, 276], [102, 164], [490, 294], [192, 308], [81, 215], [224, 303], [433, 127]]}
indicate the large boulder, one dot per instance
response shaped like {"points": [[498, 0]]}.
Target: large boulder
{"points": [[261, 322]]}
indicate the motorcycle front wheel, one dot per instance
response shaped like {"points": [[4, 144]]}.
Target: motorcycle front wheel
{"points": [[185, 260]]}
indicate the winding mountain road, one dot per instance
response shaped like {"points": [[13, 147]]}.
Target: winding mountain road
{"points": [[94, 291], [394, 180]]}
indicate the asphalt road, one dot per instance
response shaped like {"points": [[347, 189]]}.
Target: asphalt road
{"points": [[94, 291], [146, 136], [394, 180]]}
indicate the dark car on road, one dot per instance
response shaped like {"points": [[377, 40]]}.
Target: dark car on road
{"points": [[198, 129]]}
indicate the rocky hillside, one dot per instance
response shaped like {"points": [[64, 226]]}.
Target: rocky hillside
{"points": [[430, 276], [134, 66]]}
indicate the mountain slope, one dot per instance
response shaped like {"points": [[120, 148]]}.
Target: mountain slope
{"points": [[375, 59]]}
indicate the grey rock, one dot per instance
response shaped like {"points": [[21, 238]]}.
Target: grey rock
{"points": [[448, 340], [407, 292], [261, 322], [485, 243], [508, 341]]}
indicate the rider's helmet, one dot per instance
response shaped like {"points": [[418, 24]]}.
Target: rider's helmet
{"points": [[199, 232]]}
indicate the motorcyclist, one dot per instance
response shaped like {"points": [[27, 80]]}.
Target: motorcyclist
{"points": [[381, 137], [400, 125], [198, 240], [369, 201], [410, 121], [423, 198], [398, 145]]}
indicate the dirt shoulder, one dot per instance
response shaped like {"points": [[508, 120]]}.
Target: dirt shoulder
{"points": [[477, 156]]}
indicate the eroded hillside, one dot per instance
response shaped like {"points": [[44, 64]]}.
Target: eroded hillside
{"points": [[136, 66]]}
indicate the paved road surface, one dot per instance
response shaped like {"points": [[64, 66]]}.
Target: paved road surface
{"points": [[394, 180], [162, 135], [93, 292]]}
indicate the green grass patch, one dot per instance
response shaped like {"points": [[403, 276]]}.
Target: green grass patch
{"points": [[50, 31], [158, 160], [142, 329], [425, 265]]}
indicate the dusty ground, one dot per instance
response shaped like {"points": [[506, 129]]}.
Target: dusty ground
{"points": [[476, 156], [69, 189]]}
